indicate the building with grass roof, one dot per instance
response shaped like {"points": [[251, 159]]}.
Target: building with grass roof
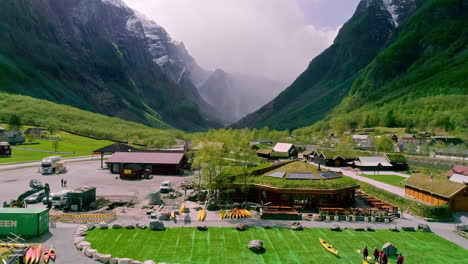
{"points": [[437, 190], [294, 185], [264, 153], [398, 161], [334, 158]]}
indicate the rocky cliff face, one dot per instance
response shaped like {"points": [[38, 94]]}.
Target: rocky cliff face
{"points": [[101, 56], [330, 75]]}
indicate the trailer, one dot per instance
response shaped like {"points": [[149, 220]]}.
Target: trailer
{"points": [[80, 198], [24, 222]]}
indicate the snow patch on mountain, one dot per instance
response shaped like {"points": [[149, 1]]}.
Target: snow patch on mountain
{"points": [[392, 9], [117, 3]]}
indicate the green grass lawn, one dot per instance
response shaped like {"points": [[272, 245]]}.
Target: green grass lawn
{"points": [[227, 245], [81, 146], [394, 180]]}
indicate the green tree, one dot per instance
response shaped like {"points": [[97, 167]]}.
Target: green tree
{"points": [[384, 144], [15, 123], [55, 140], [208, 161]]}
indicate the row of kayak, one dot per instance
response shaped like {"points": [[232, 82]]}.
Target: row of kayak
{"points": [[34, 255], [234, 213]]}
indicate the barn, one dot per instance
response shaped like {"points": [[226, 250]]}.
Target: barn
{"points": [[139, 164], [5, 149], [437, 191]]}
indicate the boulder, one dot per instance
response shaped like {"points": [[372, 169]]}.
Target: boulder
{"points": [[394, 229], [125, 261], [149, 262], [103, 225], [80, 233], [79, 240], [105, 258], [157, 226], [369, 229], [424, 228], [96, 256], [116, 226], [164, 217], [296, 226], [130, 226], [137, 262], [408, 228], [202, 227], [335, 227], [83, 244], [358, 228], [90, 226], [85, 249], [114, 260], [89, 252], [241, 227], [141, 226], [256, 246]]}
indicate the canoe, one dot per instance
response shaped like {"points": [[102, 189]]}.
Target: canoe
{"points": [[221, 213], [46, 255], [27, 256], [32, 258], [38, 254], [328, 247], [204, 213], [199, 214], [182, 208], [52, 254], [172, 214]]}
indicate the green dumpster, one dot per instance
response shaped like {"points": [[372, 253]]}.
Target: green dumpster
{"points": [[24, 222]]}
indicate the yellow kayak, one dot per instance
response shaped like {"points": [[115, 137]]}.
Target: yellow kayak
{"points": [[328, 247], [182, 208]]}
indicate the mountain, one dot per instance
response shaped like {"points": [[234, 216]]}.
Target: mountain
{"points": [[329, 76], [235, 95], [100, 56]]}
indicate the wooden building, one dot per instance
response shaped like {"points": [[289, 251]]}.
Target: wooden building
{"points": [[375, 163], [398, 161], [140, 164], [5, 150], [113, 148], [437, 191], [284, 150], [264, 153]]}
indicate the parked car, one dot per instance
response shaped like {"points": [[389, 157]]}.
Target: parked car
{"points": [[35, 198], [35, 184], [165, 187]]}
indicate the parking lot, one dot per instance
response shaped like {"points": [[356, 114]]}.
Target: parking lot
{"points": [[87, 173]]}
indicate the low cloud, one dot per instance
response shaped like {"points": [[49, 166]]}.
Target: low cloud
{"points": [[260, 37]]}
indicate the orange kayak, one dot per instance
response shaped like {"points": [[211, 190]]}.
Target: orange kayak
{"points": [[52, 254], [45, 255], [38, 254]]}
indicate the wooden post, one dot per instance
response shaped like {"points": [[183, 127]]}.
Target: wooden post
{"points": [[102, 160]]}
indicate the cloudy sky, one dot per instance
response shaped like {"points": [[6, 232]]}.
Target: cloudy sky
{"points": [[272, 38]]}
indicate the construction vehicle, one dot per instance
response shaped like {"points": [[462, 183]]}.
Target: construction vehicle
{"points": [[53, 164], [20, 203]]}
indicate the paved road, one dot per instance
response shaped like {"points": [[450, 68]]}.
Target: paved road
{"points": [[13, 166]]}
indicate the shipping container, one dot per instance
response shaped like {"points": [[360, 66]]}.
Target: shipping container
{"points": [[81, 198], [25, 222]]}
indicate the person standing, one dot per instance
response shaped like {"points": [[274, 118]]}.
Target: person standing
{"points": [[380, 256], [384, 258], [400, 259], [365, 253], [376, 254], [61, 182]]}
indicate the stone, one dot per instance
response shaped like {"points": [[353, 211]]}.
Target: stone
{"points": [[89, 252], [105, 258], [96, 256], [85, 249], [297, 226], [316, 217], [424, 228], [394, 229], [241, 227], [125, 261], [369, 229], [114, 260], [256, 246], [90, 226], [79, 240], [103, 225], [335, 227], [116, 226], [202, 227], [149, 262], [137, 262], [157, 226], [164, 217], [130, 226], [83, 244], [141, 226], [358, 228], [80, 233], [408, 228]]}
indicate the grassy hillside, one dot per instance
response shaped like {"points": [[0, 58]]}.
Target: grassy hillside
{"points": [[418, 81], [62, 117]]}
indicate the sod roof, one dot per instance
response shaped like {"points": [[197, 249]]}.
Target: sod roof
{"points": [[437, 185], [264, 151], [396, 158], [333, 154], [280, 155], [298, 167]]}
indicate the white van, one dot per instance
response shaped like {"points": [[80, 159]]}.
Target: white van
{"points": [[59, 199], [165, 187]]}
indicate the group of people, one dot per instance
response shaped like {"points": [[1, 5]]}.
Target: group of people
{"points": [[64, 183], [380, 256]]}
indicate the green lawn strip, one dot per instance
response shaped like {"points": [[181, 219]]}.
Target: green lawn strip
{"points": [[394, 180], [227, 245]]}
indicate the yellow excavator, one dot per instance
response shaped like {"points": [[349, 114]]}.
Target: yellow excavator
{"points": [[20, 203]]}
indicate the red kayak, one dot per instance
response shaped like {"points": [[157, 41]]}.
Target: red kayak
{"points": [[27, 256], [38, 254], [52, 254], [45, 255]]}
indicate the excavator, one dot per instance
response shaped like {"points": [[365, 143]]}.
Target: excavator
{"points": [[20, 203]]}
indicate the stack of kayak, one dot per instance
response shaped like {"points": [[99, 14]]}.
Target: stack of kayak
{"points": [[234, 213], [34, 255], [201, 215]]}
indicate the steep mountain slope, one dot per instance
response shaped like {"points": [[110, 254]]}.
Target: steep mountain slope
{"points": [[420, 80], [330, 75], [235, 95], [95, 55]]}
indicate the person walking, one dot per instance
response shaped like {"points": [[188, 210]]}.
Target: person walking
{"points": [[64, 183], [384, 258], [365, 253], [375, 253], [380, 256], [61, 182], [400, 259]]}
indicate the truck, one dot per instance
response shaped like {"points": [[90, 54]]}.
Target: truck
{"points": [[165, 187], [51, 165], [59, 199]]}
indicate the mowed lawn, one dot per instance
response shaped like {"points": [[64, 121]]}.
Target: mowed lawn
{"points": [[75, 145], [394, 180], [221, 245]]}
